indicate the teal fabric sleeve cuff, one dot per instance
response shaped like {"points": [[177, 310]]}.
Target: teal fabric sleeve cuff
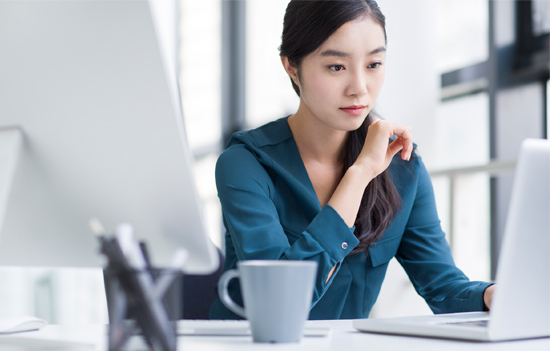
{"points": [[475, 302], [332, 233]]}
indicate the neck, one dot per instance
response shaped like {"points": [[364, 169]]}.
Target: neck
{"points": [[316, 140]]}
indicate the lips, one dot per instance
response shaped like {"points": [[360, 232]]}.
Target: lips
{"points": [[354, 109]]}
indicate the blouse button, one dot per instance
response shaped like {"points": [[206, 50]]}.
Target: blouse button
{"points": [[344, 245]]}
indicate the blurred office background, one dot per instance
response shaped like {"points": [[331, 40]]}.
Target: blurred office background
{"points": [[469, 76]]}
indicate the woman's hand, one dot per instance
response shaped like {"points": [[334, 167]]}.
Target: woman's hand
{"points": [[488, 296], [377, 154], [373, 160]]}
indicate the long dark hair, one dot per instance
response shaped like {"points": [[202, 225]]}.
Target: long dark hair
{"points": [[307, 24]]}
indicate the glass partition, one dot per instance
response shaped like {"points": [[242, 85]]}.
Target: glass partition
{"points": [[462, 27]]}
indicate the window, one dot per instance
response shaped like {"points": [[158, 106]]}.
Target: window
{"points": [[463, 136], [501, 93], [199, 56], [462, 27]]}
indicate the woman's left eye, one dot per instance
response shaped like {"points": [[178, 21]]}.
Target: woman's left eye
{"points": [[336, 68], [375, 65]]}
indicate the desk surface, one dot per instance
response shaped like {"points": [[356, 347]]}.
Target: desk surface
{"points": [[341, 337]]}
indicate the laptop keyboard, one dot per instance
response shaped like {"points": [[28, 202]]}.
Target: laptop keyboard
{"points": [[476, 323]]}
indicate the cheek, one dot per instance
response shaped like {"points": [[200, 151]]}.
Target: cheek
{"points": [[376, 83], [319, 88]]}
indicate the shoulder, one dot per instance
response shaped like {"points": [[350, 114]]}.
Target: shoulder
{"points": [[255, 150], [238, 169], [238, 161], [248, 157], [408, 175], [271, 133], [414, 165]]}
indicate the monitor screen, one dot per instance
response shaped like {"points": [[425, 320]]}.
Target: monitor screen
{"points": [[95, 129]]}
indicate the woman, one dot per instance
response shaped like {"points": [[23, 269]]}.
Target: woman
{"points": [[331, 183]]}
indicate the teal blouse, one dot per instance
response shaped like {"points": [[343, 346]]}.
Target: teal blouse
{"points": [[271, 211]]}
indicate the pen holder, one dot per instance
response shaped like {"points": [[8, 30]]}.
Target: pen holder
{"points": [[144, 306]]}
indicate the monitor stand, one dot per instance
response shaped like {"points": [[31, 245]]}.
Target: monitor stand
{"points": [[10, 144]]}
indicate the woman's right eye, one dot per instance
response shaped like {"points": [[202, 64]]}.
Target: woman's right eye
{"points": [[336, 68]]}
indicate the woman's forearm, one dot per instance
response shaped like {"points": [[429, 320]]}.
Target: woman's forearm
{"points": [[346, 199]]}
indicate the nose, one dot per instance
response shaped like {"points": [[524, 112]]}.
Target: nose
{"points": [[357, 85]]}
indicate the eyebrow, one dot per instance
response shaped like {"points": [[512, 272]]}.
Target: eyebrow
{"points": [[331, 52]]}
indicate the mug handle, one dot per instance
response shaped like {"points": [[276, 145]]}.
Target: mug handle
{"points": [[224, 295]]}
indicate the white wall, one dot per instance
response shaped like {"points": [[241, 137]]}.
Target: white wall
{"points": [[269, 94], [411, 91]]}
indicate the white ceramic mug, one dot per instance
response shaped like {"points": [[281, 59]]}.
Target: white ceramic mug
{"points": [[276, 295]]}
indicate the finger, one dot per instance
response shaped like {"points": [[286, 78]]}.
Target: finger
{"points": [[395, 146], [403, 132], [407, 149]]}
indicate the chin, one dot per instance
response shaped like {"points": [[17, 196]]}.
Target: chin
{"points": [[348, 127], [346, 123], [355, 124]]}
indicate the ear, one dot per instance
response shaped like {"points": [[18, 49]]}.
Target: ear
{"points": [[290, 70]]}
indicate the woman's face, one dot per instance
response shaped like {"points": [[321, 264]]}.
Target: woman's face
{"points": [[340, 82]]}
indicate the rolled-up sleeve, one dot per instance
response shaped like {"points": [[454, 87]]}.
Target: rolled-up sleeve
{"points": [[245, 190], [426, 256]]}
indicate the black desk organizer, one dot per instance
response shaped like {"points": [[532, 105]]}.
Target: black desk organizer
{"points": [[144, 306]]}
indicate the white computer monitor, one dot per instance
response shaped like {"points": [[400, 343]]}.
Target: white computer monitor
{"points": [[101, 135]]}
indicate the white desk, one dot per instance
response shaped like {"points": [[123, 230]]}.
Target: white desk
{"points": [[341, 338]]}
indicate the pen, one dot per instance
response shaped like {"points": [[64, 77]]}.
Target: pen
{"points": [[109, 246], [145, 253]]}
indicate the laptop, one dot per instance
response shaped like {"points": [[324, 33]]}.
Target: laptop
{"points": [[521, 303]]}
